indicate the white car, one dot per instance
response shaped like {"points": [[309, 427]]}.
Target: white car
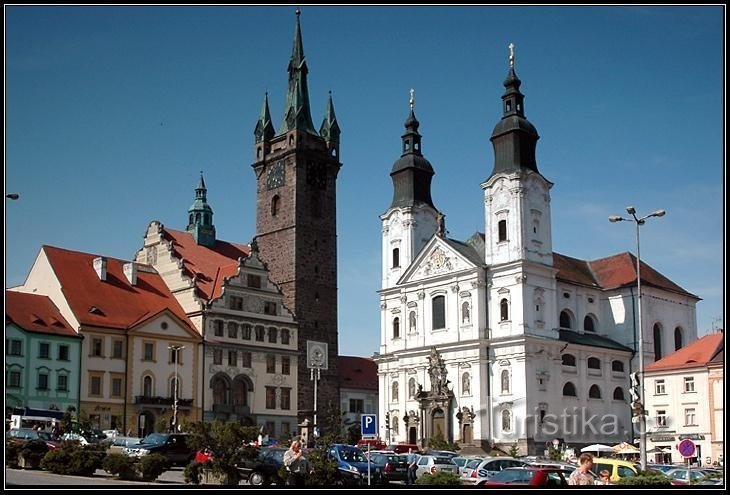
{"points": [[75, 437], [492, 465], [433, 464]]}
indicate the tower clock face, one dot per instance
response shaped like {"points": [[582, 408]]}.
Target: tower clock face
{"points": [[275, 178]]}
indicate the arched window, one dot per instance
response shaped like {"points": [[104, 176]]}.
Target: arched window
{"points": [[240, 392], [618, 393], [677, 339], [275, 205], [506, 420], [394, 392], [568, 360], [272, 335], [411, 388], [246, 331], [594, 363], [657, 342], [594, 392], [569, 390], [504, 310], [438, 310], [565, 320], [465, 384], [396, 328], [259, 330], [589, 324], [147, 386], [285, 336], [504, 380], [220, 391], [396, 258], [465, 313], [502, 230], [412, 322], [617, 366]]}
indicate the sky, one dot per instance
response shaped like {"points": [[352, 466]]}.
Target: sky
{"points": [[111, 113]]}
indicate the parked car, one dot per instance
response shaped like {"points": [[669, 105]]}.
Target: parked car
{"points": [[529, 476], [469, 467], [491, 466], [387, 467], [402, 448], [351, 462], [678, 476], [173, 446], [433, 464], [118, 444], [617, 467], [375, 444], [264, 469], [462, 461], [21, 435]]}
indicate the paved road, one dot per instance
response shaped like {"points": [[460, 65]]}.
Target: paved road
{"points": [[32, 477]]}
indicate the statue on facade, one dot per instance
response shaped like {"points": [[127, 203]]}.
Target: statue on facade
{"points": [[437, 372]]}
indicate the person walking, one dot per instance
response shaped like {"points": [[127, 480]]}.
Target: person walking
{"points": [[296, 464], [582, 475], [411, 473]]}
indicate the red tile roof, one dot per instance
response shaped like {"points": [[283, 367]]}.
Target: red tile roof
{"points": [[36, 313], [697, 354], [358, 372], [613, 272], [114, 303], [207, 266]]}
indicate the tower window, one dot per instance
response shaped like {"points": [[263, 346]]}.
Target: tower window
{"points": [[258, 152], [274, 205], [396, 328], [504, 310], [396, 258], [502, 230], [406, 145], [509, 106]]}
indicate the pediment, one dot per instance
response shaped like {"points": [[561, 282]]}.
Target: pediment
{"points": [[438, 257]]}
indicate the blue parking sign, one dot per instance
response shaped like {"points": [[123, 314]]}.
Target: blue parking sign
{"points": [[369, 425]]}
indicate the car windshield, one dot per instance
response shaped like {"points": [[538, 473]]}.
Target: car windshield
{"points": [[44, 435], [473, 463], [442, 460], [514, 475], [154, 439], [351, 455]]}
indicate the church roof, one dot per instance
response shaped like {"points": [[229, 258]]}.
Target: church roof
{"points": [[465, 250], [613, 272], [114, 302], [590, 339], [207, 266], [697, 354], [358, 372], [36, 313]]}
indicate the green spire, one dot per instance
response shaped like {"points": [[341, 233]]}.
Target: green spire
{"points": [[200, 217], [264, 128], [296, 113], [330, 129]]}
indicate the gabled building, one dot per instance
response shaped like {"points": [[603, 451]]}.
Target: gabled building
{"points": [[250, 357], [497, 339], [140, 355], [684, 400], [42, 355]]}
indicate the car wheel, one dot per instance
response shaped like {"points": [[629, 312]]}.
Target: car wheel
{"points": [[256, 479]]}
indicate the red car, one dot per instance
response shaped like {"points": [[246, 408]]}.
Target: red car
{"points": [[529, 476], [21, 435], [375, 444]]}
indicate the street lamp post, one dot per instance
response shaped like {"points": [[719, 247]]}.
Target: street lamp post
{"points": [[639, 221], [176, 350]]}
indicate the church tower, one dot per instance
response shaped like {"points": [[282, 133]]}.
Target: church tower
{"points": [[296, 177], [518, 237], [200, 217], [412, 219]]}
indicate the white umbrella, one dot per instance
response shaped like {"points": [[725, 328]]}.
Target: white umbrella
{"points": [[629, 450], [597, 447]]}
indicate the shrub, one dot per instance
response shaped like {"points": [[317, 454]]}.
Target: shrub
{"points": [[57, 461], [439, 478], [12, 450], [120, 465], [193, 472], [85, 462], [514, 450], [73, 459], [647, 478], [32, 452], [325, 472], [151, 466]]}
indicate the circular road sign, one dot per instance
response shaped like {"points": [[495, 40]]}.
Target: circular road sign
{"points": [[686, 448]]}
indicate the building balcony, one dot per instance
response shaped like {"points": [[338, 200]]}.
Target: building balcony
{"points": [[162, 401]]}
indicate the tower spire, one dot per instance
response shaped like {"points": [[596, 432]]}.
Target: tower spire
{"points": [[264, 128], [297, 114], [330, 129], [514, 138], [200, 216]]}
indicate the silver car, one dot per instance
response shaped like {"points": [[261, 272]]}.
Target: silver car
{"points": [[492, 465], [433, 464]]}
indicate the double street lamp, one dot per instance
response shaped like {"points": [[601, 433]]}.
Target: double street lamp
{"points": [[639, 221], [176, 357]]}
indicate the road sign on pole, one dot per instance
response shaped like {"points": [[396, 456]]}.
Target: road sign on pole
{"points": [[369, 426], [687, 448]]}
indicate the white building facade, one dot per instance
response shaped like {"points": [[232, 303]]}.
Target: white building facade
{"points": [[530, 345]]}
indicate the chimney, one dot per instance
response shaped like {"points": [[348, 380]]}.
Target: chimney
{"points": [[100, 267], [130, 271]]}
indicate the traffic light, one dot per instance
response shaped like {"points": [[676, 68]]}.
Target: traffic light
{"points": [[387, 421]]}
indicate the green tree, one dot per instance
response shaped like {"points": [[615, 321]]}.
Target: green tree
{"points": [[554, 453], [229, 444], [437, 442], [514, 450]]}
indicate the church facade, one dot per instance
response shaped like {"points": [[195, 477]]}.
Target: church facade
{"points": [[497, 339]]}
